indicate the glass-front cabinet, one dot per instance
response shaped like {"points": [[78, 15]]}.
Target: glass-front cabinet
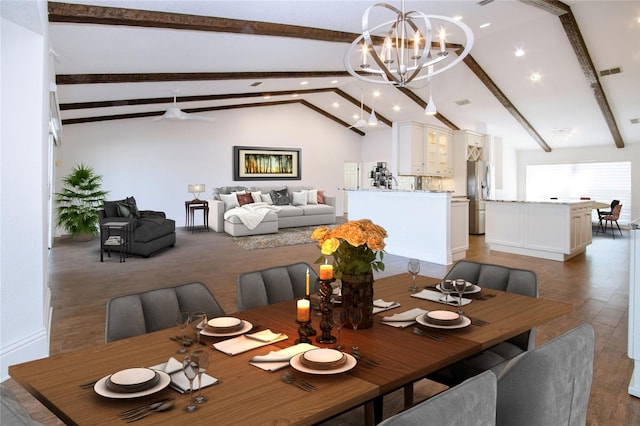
{"points": [[424, 150]]}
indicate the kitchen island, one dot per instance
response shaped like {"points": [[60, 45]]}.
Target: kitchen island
{"points": [[431, 226], [555, 230]]}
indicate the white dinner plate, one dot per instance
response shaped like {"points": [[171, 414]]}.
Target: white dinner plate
{"points": [[133, 376], [464, 323], [245, 327], [101, 388], [470, 289], [348, 365]]}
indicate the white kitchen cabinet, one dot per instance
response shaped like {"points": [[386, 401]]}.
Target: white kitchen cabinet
{"points": [[438, 161], [410, 149], [424, 150]]}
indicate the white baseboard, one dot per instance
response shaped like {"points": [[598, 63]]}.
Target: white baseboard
{"points": [[33, 346]]}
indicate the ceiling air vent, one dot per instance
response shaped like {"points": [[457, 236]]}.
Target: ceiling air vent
{"points": [[257, 83], [484, 2], [463, 102], [611, 71], [635, 121]]}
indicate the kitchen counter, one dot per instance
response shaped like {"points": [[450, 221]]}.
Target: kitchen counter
{"points": [[550, 229], [428, 225]]}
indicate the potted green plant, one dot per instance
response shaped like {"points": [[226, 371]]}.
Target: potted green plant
{"points": [[79, 201]]}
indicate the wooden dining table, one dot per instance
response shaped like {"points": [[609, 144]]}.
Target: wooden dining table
{"points": [[249, 395]]}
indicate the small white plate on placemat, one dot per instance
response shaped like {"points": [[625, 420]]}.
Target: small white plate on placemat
{"points": [[245, 327], [465, 322], [348, 365], [101, 388], [469, 289]]}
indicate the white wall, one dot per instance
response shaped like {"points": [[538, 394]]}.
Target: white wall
{"points": [[583, 155], [24, 84], [156, 160]]}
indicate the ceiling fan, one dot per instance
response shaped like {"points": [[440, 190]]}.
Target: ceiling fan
{"points": [[361, 122], [175, 113]]}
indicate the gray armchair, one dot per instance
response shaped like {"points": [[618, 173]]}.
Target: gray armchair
{"points": [[548, 385], [272, 285], [471, 402], [141, 313]]}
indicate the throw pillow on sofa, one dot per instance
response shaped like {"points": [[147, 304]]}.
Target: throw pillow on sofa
{"points": [[230, 201], [299, 198], [320, 196], [312, 196], [266, 198], [244, 199], [257, 196], [280, 197]]}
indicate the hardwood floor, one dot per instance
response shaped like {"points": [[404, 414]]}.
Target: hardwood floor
{"points": [[595, 283]]}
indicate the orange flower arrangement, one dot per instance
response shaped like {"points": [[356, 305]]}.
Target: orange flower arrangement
{"points": [[357, 247]]}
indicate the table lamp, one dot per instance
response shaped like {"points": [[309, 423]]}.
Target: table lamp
{"points": [[196, 190]]}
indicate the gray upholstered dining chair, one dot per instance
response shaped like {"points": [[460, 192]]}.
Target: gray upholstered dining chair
{"points": [[498, 277], [472, 402], [548, 385], [139, 313], [275, 284]]}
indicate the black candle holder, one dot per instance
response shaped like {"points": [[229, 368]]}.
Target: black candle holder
{"points": [[326, 309], [303, 331]]}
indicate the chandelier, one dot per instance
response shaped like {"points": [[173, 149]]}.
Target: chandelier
{"points": [[401, 50]]}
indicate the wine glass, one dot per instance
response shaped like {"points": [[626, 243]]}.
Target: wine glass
{"points": [[339, 319], [413, 267], [460, 285], [182, 319], [203, 363], [355, 316], [198, 318], [446, 288], [191, 369]]}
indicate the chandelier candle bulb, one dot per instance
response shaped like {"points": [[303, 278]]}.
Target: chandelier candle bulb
{"points": [[326, 272], [303, 310], [307, 282], [442, 43]]}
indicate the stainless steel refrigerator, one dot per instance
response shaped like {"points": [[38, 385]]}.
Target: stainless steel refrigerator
{"points": [[478, 190]]}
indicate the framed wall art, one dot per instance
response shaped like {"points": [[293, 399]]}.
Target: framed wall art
{"points": [[261, 163]]}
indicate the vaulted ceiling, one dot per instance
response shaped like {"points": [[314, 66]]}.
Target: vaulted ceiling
{"points": [[121, 60]]}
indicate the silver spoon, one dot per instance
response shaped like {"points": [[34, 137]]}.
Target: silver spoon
{"points": [[288, 378], [162, 407], [419, 332]]}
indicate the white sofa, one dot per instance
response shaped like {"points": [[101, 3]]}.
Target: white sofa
{"points": [[287, 216]]}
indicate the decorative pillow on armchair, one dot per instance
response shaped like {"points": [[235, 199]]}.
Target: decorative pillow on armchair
{"points": [[280, 197]]}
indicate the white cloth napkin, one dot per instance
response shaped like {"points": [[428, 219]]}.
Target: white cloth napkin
{"points": [[246, 342], [275, 360], [404, 319], [264, 335], [179, 381], [436, 296], [380, 305]]}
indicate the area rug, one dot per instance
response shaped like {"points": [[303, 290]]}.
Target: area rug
{"points": [[284, 237]]}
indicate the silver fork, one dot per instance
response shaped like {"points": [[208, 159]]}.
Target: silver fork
{"points": [[420, 332], [288, 378]]}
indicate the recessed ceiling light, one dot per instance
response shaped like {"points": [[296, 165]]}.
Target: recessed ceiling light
{"points": [[334, 81], [336, 105], [396, 107], [295, 95], [355, 116], [304, 83], [267, 97], [519, 52], [457, 18], [535, 77], [485, 25], [563, 133], [376, 93]]}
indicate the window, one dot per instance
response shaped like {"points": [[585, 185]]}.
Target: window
{"points": [[600, 181]]}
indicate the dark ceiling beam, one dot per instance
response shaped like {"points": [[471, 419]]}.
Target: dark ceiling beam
{"points": [[190, 76], [502, 98], [208, 109], [86, 14], [571, 28], [196, 98], [421, 102]]}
